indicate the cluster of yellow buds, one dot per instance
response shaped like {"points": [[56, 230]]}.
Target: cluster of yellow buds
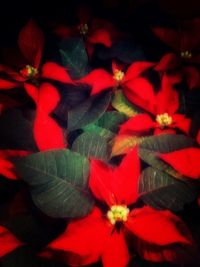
{"points": [[83, 29], [186, 54], [118, 75], [118, 213], [29, 72], [164, 119]]}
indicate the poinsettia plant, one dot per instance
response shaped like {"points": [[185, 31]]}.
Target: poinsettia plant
{"points": [[99, 156]]}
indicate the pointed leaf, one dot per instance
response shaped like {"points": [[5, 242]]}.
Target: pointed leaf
{"points": [[162, 191], [111, 120], [58, 181], [74, 57], [92, 145], [88, 111], [167, 142]]}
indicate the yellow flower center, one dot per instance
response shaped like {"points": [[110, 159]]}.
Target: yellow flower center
{"points": [[83, 29], [118, 213], [164, 120], [186, 54], [29, 72], [118, 75]]}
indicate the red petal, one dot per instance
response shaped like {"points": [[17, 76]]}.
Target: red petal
{"points": [[176, 253], [167, 98], [51, 70], [168, 36], [185, 161], [13, 74], [31, 43], [100, 181], [140, 92], [99, 80], [156, 227], [48, 98], [116, 253], [8, 242], [85, 237], [4, 84], [32, 91], [192, 76], [138, 123], [181, 122], [167, 62], [48, 134], [136, 68], [126, 177], [119, 185], [100, 36], [7, 168]]}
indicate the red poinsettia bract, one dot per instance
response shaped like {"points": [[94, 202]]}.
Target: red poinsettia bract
{"points": [[186, 161], [102, 233], [185, 42], [48, 134], [100, 80], [162, 106], [31, 44], [8, 242], [7, 168], [92, 30]]}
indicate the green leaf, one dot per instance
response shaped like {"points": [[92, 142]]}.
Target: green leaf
{"points": [[74, 57], [92, 128], [165, 143], [121, 103], [111, 120], [162, 191], [107, 125], [88, 111], [92, 145], [123, 143], [151, 158], [58, 181]]}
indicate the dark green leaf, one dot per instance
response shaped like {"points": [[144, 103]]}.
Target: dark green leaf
{"points": [[162, 191], [93, 128], [111, 120], [165, 143], [92, 145], [89, 111], [74, 57], [59, 182]]}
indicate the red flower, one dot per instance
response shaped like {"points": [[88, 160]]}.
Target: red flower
{"points": [[48, 134], [8, 242], [162, 106], [185, 161], [185, 42], [100, 79], [92, 30], [31, 44], [103, 234], [7, 168]]}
